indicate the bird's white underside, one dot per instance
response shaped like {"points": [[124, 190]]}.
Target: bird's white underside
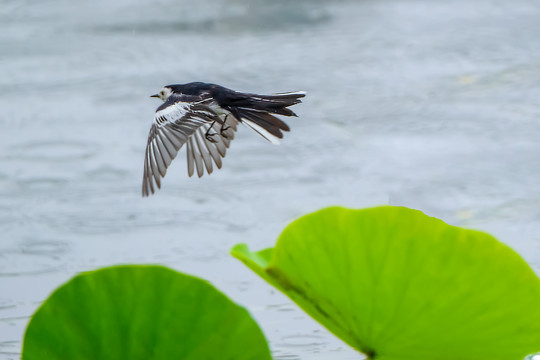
{"points": [[176, 111]]}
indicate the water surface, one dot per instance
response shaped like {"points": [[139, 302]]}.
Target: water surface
{"points": [[426, 104]]}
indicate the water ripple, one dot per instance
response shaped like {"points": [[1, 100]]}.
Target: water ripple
{"points": [[273, 16], [51, 151], [19, 263]]}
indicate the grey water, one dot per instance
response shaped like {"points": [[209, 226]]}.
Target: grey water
{"points": [[427, 104]]}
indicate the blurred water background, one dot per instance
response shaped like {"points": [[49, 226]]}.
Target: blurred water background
{"points": [[427, 104]]}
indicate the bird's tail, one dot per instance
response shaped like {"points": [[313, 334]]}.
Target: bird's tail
{"points": [[257, 112]]}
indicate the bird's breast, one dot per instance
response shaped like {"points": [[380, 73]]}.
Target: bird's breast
{"points": [[218, 109]]}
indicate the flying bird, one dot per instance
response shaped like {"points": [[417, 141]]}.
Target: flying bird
{"points": [[205, 117]]}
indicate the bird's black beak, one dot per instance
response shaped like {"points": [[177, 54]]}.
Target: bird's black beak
{"points": [[155, 95]]}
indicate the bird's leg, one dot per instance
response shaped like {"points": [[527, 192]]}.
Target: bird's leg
{"points": [[224, 127], [209, 136]]}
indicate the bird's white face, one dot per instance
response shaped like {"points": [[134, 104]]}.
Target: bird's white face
{"points": [[164, 93]]}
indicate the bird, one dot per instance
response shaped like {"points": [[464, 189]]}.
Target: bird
{"points": [[205, 117]]}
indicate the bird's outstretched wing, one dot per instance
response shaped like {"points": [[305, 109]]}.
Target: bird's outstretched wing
{"points": [[200, 152], [180, 120]]}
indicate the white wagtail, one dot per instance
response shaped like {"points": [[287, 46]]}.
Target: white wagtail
{"points": [[205, 116]]}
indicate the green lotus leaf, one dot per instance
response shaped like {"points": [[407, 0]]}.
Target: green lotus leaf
{"points": [[141, 312], [396, 284]]}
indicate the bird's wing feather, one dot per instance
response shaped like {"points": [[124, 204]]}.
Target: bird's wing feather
{"points": [[175, 122], [200, 152]]}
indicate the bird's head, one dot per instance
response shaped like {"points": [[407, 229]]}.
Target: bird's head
{"points": [[163, 93]]}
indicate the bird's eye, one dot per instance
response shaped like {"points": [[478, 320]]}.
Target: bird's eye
{"points": [[162, 93]]}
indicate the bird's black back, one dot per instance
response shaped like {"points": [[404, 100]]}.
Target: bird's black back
{"points": [[230, 99], [222, 95], [193, 88]]}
